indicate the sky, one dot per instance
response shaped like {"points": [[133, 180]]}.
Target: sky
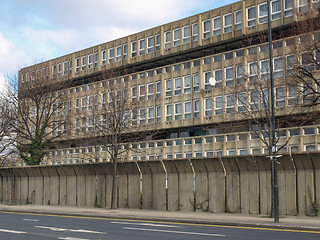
{"points": [[32, 31]]}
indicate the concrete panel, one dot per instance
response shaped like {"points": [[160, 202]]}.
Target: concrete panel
{"points": [[315, 157], [133, 184], [22, 185], [35, 194], [172, 186], [201, 185], [216, 185], [264, 167], [122, 186], [233, 193], [304, 181], [68, 185], [158, 185], [147, 185], [51, 181], [4, 186], [286, 185], [8, 185], [101, 184], [249, 185], [108, 172]]}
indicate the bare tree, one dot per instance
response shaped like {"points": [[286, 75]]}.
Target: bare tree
{"points": [[37, 102]]}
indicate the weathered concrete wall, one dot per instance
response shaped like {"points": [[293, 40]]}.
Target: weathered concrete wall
{"points": [[239, 184]]}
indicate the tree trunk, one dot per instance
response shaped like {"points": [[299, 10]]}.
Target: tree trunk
{"points": [[114, 185]]}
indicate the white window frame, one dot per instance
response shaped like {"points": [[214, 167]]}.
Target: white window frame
{"points": [[177, 88], [186, 88], [230, 103], [150, 116], [241, 101], [150, 47], [196, 85], [263, 18], [104, 57], [167, 39], [207, 105], [168, 87], [227, 28], [176, 41], [65, 68], [83, 63], [287, 9], [218, 81], [118, 53], [229, 81], [206, 33], [206, 77], [275, 14], [168, 113], [90, 61], [134, 49], [185, 38], [142, 47], [218, 108], [251, 22], [195, 30], [196, 110], [177, 115], [142, 116], [303, 6], [111, 55], [187, 114], [125, 51], [237, 25], [216, 31], [157, 42], [150, 94], [158, 114]]}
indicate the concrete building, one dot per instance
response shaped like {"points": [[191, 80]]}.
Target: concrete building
{"points": [[168, 70]]}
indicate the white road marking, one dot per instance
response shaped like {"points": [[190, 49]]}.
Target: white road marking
{"points": [[11, 231], [70, 230], [147, 224], [71, 238], [30, 220], [178, 232]]}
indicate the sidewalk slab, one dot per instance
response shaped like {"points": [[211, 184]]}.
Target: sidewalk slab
{"points": [[251, 220]]}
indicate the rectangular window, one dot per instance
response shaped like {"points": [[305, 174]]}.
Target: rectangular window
{"points": [[158, 89], [167, 39], [125, 51], [251, 16], [278, 67], [90, 61], [177, 86], [229, 76], [239, 74], [59, 70], [84, 63], [142, 92], [83, 104], [118, 53], [206, 28], [187, 84], [196, 108], [265, 69], [104, 57], [275, 10], [254, 101], [227, 23], [150, 44], [218, 106], [168, 88], [111, 55], [186, 34], [187, 110], [207, 76], [253, 71], [217, 26], [263, 13], [176, 37], [178, 111], [194, 32], [157, 42], [279, 97], [150, 91], [208, 107], [65, 68], [90, 103], [241, 102], [142, 116], [151, 115], [95, 60], [142, 47], [196, 82], [238, 20], [230, 103], [169, 113], [218, 78], [158, 112], [134, 49], [292, 95], [134, 93], [303, 6]]}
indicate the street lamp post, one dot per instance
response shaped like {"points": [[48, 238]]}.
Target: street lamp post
{"points": [[274, 147]]}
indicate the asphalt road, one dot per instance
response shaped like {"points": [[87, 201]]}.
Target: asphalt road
{"points": [[17, 226]]}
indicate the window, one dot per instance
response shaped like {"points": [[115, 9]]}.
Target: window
{"points": [[303, 6], [167, 39], [309, 131], [157, 42], [290, 61], [158, 89], [195, 32], [158, 113], [169, 113], [207, 76], [90, 61], [134, 49], [134, 93], [187, 110], [241, 102], [238, 20], [292, 95], [111, 55], [125, 51], [278, 67], [196, 108], [90, 103], [150, 91], [177, 86], [230, 103], [142, 46], [231, 152], [176, 37], [310, 147], [263, 13], [251, 16], [186, 34], [294, 132], [196, 82], [264, 98], [65, 68], [59, 70], [218, 78], [151, 115], [142, 116], [265, 69], [104, 57], [227, 23], [217, 26], [177, 113], [168, 88], [254, 100], [239, 74], [142, 92], [218, 106], [83, 104], [187, 84], [206, 28], [279, 97], [84, 63], [118, 53], [253, 70], [150, 44], [229, 76], [275, 10]]}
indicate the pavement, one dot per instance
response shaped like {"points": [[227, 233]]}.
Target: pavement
{"points": [[230, 219]]}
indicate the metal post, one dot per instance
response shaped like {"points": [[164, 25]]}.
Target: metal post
{"points": [[274, 146]]}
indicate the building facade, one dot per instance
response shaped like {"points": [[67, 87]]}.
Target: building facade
{"points": [[169, 70]]}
